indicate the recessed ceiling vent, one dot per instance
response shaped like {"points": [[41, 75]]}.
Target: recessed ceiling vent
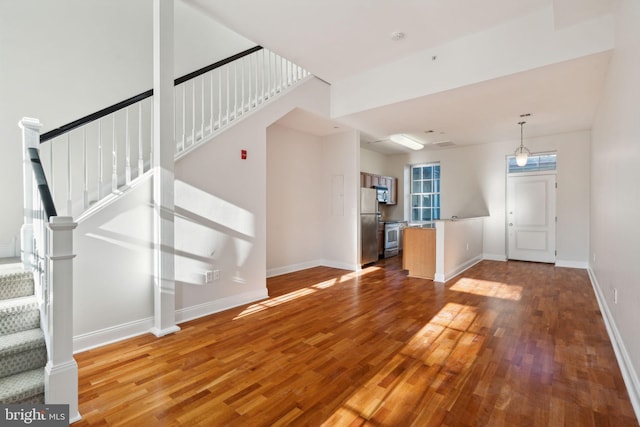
{"points": [[443, 144]]}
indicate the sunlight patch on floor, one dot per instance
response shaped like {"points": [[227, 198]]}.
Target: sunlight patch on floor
{"points": [[443, 348], [487, 288], [273, 302]]}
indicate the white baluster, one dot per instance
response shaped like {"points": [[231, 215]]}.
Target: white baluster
{"points": [[235, 89], [219, 98], [85, 190], [202, 107], [69, 204], [151, 132], [184, 116], [193, 111], [140, 149], [114, 158], [228, 94], [264, 75], [211, 102], [100, 165], [127, 154], [242, 65]]}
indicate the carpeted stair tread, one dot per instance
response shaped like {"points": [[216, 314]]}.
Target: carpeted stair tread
{"points": [[15, 284], [21, 341], [18, 305], [23, 387], [19, 314]]}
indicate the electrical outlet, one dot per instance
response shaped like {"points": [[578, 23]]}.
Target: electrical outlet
{"points": [[615, 295], [594, 257], [467, 245], [208, 276]]}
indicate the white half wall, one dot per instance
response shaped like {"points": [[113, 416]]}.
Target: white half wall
{"points": [[615, 197], [474, 184], [458, 246]]}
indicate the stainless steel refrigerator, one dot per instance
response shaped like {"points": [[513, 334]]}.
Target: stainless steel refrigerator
{"points": [[369, 225]]}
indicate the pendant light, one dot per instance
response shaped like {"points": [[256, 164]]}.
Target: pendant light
{"points": [[522, 153]]}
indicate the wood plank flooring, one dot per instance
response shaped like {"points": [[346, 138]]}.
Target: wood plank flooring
{"points": [[504, 344]]}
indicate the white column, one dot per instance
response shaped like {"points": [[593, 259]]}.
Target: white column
{"points": [[163, 161], [61, 372], [30, 139]]}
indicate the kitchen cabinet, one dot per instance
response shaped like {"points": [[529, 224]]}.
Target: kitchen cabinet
{"points": [[403, 225], [419, 255], [368, 180]]}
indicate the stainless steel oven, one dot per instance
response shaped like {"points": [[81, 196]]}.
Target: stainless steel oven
{"points": [[391, 239]]}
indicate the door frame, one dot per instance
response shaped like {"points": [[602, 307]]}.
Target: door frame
{"points": [[506, 205]]}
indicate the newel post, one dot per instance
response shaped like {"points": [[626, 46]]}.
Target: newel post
{"points": [[61, 372], [30, 139]]}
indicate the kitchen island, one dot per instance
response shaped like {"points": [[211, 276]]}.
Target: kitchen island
{"points": [[419, 252], [443, 249]]}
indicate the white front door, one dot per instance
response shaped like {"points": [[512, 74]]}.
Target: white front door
{"points": [[531, 217]]}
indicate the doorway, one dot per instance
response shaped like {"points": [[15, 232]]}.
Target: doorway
{"points": [[531, 217]]}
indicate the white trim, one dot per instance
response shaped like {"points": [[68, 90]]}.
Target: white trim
{"points": [[572, 264], [90, 340], [458, 270], [272, 272], [211, 307], [494, 257], [629, 374]]}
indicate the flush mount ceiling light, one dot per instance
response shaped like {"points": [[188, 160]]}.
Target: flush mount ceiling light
{"points": [[406, 141], [397, 35], [522, 153]]}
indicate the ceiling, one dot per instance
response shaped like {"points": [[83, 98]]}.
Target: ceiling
{"points": [[336, 39]]}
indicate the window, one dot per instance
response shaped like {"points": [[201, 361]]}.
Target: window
{"points": [[537, 163], [425, 192]]}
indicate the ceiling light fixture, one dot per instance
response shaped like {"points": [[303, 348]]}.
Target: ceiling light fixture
{"points": [[406, 141], [522, 153], [397, 35]]}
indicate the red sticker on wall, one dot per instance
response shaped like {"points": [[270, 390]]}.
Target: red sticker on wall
{"points": [[243, 154]]}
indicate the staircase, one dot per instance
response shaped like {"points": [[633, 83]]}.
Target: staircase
{"points": [[23, 352]]}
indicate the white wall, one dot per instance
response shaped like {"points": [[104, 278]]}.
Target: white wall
{"points": [[312, 194], [341, 177], [62, 61], [113, 303], [294, 203], [615, 195], [474, 183], [373, 162]]}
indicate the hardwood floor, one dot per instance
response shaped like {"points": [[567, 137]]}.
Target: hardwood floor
{"points": [[504, 344]]}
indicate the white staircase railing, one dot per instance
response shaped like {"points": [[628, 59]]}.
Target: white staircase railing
{"points": [[102, 154], [47, 251]]}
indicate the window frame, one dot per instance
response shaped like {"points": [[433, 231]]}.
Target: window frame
{"points": [[435, 197]]}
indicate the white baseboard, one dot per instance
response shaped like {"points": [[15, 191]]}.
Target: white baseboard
{"points": [[84, 342], [572, 264], [125, 331], [272, 272], [211, 307], [494, 257], [629, 374], [293, 267], [461, 268]]}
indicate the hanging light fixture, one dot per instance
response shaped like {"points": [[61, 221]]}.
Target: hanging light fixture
{"points": [[522, 153]]}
